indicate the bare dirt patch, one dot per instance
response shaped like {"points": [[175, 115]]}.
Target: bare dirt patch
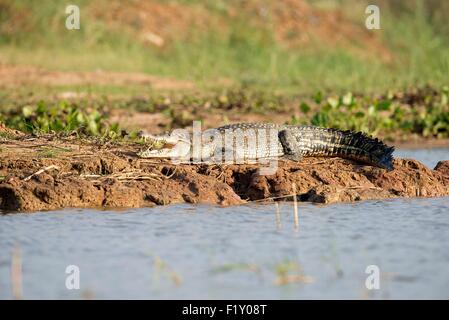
{"points": [[48, 173], [19, 75], [298, 24], [153, 22]]}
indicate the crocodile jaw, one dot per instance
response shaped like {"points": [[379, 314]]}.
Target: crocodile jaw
{"points": [[178, 151], [177, 145]]}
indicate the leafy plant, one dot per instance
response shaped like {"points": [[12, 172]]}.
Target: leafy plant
{"points": [[425, 113], [62, 117]]}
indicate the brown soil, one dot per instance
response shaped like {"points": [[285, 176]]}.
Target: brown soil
{"points": [[298, 24], [12, 76], [153, 22], [49, 172], [295, 23]]}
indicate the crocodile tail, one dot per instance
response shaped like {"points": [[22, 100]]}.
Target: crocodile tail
{"points": [[349, 144]]}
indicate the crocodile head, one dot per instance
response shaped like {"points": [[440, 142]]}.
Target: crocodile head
{"points": [[175, 145]]}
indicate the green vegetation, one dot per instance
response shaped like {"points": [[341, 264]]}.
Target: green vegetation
{"points": [[285, 272], [389, 115], [241, 47], [60, 117], [229, 267], [394, 115], [290, 271]]}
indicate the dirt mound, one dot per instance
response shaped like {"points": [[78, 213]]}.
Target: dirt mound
{"points": [[295, 23], [154, 22], [338, 180], [68, 173], [298, 24], [6, 132]]}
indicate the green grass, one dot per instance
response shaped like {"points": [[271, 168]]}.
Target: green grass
{"points": [[422, 50], [247, 55]]}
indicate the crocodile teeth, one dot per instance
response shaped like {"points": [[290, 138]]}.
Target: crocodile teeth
{"points": [[155, 143]]}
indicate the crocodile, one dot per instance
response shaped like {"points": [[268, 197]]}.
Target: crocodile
{"points": [[251, 142]]}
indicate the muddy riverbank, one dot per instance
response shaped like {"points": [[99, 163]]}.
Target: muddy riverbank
{"points": [[49, 172]]}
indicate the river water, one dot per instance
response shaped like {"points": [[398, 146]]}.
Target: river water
{"points": [[368, 250]]}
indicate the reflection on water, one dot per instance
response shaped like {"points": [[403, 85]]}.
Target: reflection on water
{"points": [[429, 157], [185, 251]]}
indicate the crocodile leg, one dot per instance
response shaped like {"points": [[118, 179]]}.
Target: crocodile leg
{"points": [[290, 145]]}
